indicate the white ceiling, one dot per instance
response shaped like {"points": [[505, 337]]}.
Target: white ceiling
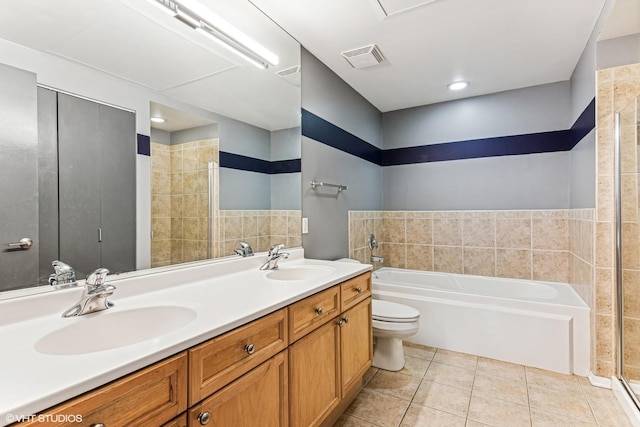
{"points": [[496, 45], [136, 41]]}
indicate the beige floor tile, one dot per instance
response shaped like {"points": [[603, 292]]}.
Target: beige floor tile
{"points": [[349, 421], [497, 412], [499, 368], [552, 380], [418, 415], [414, 366], [419, 351], [443, 397], [378, 408], [394, 384], [563, 403], [501, 388], [608, 411], [544, 419], [454, 358], [471, 423], [591, 390], [450, 375], [368, 375]]}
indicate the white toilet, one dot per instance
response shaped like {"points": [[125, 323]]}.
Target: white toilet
{"points": [[391, 323]]}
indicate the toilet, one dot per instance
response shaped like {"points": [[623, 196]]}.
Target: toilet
{"points": [[392, 322]]}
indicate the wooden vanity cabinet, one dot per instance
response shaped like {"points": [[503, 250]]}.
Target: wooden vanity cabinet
{"points": [[150, 397], [327, 364], [299, 366], [257, 398]]}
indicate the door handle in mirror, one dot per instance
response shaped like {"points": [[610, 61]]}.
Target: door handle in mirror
{"points": [[24, 243]]}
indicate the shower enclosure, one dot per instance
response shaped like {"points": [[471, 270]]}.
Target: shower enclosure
{"points": [[627, 175]]}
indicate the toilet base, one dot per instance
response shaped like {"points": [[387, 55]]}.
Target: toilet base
{"points": [[388, 354]]}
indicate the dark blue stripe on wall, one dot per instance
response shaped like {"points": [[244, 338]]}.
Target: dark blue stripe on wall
{"points": [[251, 164], [322, 131], [144, 144], [585, 124], [327, 133]]}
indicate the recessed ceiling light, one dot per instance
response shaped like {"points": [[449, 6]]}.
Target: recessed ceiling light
{"points": [[158, 119], [457, 85]]}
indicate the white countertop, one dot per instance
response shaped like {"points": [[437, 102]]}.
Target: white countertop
{"points": [[224, 295]]}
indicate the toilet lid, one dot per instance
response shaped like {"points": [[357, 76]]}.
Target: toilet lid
{"points": [[388, 311]]}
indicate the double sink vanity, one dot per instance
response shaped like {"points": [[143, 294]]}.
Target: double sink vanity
{"points": [[218, 343]]}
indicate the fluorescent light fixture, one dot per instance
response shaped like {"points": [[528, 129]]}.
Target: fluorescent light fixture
{"points": [[206, 22], [459, 85], [158, 120]]}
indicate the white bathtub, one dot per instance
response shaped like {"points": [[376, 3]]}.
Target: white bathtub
{"points": [[539, 324]]}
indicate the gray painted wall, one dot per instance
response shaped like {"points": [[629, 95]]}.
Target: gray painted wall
{"points": [[529, 110], [286, 188], [508, 182], [327, 96], [195, 134], [534, 181], [619, 51], [241, 190]]}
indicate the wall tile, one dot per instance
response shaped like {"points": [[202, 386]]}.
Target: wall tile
{"points": [[447, 259], [419, 230], [513, 233], [447, 231], [550, 233], [551, 266], [420, 257], [395, 255], [513, 263], [479, 261], [479, 232], [394, 230]]}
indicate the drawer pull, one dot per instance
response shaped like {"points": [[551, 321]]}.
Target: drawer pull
{"points": [[249, 348], [319, 310], [359, 290], [204, 418], [98, 425]]}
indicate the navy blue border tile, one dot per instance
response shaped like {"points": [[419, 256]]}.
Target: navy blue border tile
{"points": [[144, 144], [327, 133], [316, 128], [251, 164]]}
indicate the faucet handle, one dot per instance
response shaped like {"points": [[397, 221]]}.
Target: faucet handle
{"points": [[98, 277], [275, 249]]}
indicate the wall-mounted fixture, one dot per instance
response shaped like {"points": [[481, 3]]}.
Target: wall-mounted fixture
{"points": [[205, 22], [459, 85]]}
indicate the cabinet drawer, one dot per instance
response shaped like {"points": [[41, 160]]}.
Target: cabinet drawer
{"points": [[219, 361], [355, 290], [258, 398], [312, 312], [148, 397], [179, 421]]}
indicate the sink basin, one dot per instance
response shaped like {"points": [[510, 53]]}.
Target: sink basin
{"points": [[109, 329], [306, 272]]}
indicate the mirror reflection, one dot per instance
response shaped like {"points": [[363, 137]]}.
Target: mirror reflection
{"points": [[223, 167]]}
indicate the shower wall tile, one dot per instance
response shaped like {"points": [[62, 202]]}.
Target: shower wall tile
{"points": [[513, 232], [447, 259], [551, 266], [513, 263], [420, 257], [479, 261]]}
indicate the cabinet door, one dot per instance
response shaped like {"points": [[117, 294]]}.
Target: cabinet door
{"points": [[356, 342], [314, 376], [258, 398]]}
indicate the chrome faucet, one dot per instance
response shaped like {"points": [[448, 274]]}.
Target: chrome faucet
{"points": [[244, 250], [64, 276], [271, 263], [94, 295]]}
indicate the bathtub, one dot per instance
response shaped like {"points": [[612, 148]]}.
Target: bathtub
{"points": [[538, 324]]}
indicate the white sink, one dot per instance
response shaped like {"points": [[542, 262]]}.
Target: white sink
{"points": [[306, 272], [109, 329]]}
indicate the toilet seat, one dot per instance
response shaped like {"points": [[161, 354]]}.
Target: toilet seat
{"points": [[387, 311]]}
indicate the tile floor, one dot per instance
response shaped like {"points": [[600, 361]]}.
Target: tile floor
{"points": [[445, 388]]}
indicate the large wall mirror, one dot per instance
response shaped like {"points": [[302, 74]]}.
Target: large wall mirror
{"points": [[223, 166]]}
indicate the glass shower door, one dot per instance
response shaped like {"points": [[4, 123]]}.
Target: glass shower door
{"points": [[628, 246]]}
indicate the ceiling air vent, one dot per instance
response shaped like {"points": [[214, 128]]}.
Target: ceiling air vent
{"points": [[364, 57], [292, 75]]}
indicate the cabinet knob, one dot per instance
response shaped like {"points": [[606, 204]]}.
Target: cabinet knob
{"points": [[98, 425], [359, 290], [346, 319], [340, 323], [204, 417], [319, 310], [249, 348]]}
